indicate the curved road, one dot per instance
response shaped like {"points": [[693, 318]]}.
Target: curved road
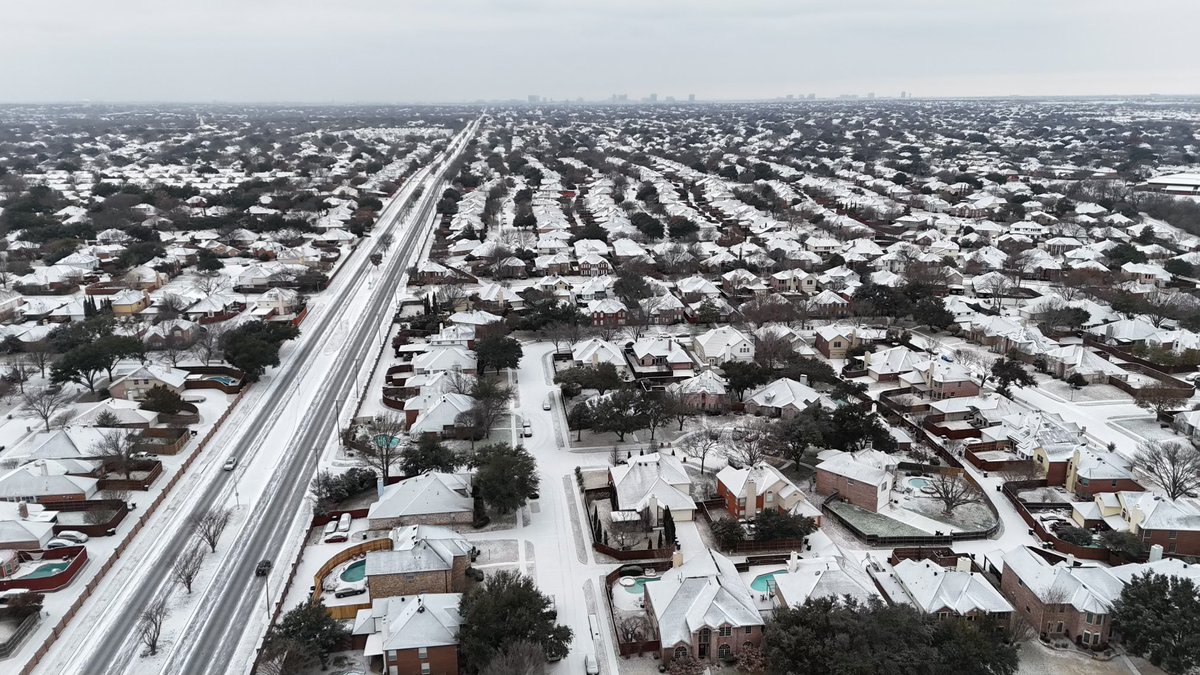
{"points": [[219, 622]]}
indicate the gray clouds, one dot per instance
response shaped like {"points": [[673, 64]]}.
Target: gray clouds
{"points": [[400, 50]]}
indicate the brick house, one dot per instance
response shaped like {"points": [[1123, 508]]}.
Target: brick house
{"points": [[607, 312], [784, 398], [937, 380], [412, 634], [703, 609], [423, 559], [431, 498], [1172, 524], [706, 391], [1060, 597], [834, 341], [945, 592], [1090, 472], [864, 478], [751, 490]]}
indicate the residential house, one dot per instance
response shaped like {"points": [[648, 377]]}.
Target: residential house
{"points": [[826, 576], [412, 634], [423, 559], [794, 281], [439, 417], [659, 356], [749, 491], [651, 483], [888, 365], [594, 351], [1173, 524], [1188, 424], [944, 592], [135, 385], [864, 478], [177, 332], [126, 303], [607, 312], [432, 498], [722, 344], [835, 341], [703, 609], [937, 379], [706, 392], [1091, 472], [1058, 596], [45, 480], [784, 398]]}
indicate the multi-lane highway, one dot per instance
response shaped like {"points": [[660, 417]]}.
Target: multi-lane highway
{"points": [[278, 436]]}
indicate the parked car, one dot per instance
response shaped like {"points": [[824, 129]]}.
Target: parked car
{"points": [[58, 543], [348, 591], [526, 428], [230, 463], [590, 665], [549, 402], [142, 455], [72, 535], [263, 568]]}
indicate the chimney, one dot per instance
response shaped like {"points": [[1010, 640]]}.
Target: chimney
{"points": [[23, 511], [804, 380], [677, 558], [1156, 552], [793, 562], [751, 497], [963, 564], [1071, 560]]}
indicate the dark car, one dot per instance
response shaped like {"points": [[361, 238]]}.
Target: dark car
{"points": [[263, 568]]}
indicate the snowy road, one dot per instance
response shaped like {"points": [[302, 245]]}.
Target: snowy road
{"points": [[278, 433]]}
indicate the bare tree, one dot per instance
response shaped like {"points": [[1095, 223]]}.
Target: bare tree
{"points": [[751, 448], [187, 566], [386, 444], [450, 296], [1160, 398], [1026, 469], [979, 364], [116, 448], [41, 355], [19, 372], [174, 349], [210, 283], [772, 350], [150, 625], [208, 345], [633, 628], [46, 402], [953, 492], [210, 524], [699, 445], [1173, 467]]}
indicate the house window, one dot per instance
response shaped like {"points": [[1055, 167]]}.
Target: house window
{"points": [[837, 344], [747, 645], [425, 669], [681, 652], [723, 651], [725, 631], [1091, 618], [422, 653], [749, 630]]}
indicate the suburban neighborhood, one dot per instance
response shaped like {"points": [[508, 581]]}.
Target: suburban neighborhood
{"points": [[754, 384]]}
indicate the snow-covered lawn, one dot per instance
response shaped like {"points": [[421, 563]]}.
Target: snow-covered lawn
{"points": [[1089, 394], [875, 523], [1148, 428]]}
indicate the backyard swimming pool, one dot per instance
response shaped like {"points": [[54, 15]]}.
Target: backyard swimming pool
{"points": [[382, 440], [638, 585], [355, 571], [223, 379], [918, 483], [48, 570], [762, 582]]}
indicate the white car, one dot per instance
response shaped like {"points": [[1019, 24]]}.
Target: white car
{"points": [[72, 535], [230, 463], [58, 543]]}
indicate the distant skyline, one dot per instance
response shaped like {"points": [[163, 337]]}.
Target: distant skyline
{"points": [[399, 51]]}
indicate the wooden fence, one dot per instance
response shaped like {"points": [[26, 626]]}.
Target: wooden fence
{"points": [[95, 581]]}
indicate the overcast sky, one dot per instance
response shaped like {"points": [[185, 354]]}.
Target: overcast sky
{"points": [[462, 50]]}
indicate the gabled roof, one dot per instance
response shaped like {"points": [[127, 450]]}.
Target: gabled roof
{"points": [[706, 591], [428, 493], [933, 588], [784, 392], [654, 475], [410, 622]]}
